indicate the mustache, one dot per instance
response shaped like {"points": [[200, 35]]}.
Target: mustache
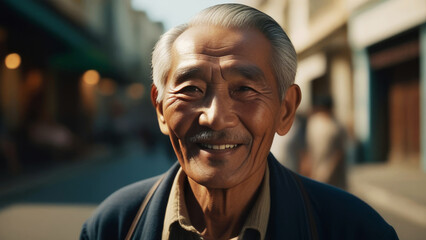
{"points": [[224, 135]]}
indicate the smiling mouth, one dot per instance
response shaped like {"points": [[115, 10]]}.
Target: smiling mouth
{"points": [[218, 147]]}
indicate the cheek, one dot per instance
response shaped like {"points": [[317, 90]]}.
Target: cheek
{"points": [[259, 119], [177, 124], [179, 118], [175, 121]]}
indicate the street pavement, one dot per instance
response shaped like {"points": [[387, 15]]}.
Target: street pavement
{"points": [[397, 192], [55, 204]]}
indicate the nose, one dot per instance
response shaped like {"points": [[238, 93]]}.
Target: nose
{"points": [[219, 113]]}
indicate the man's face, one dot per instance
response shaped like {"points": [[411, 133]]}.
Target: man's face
{"points": [[221, 106]]}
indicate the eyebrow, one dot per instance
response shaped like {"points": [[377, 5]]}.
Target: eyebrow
{"points": [[250, 72], [185, 73]]}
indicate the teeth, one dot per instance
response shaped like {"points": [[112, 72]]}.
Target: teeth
{"points": [[219, 147]]}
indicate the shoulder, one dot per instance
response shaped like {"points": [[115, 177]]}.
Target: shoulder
{"points": [[113, 217], [340, 214]]}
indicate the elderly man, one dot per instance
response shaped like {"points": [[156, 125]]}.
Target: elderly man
{"points": [[223, 86]]}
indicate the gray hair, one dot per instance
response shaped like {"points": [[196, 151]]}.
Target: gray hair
{"points": [[284, 58]]}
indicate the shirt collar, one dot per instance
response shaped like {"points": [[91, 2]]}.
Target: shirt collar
{"points": [[258, 217], [176, 210]]}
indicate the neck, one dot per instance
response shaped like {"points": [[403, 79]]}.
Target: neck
{"points": [[220, 213]]}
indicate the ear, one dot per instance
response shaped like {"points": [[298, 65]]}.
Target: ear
{"points": [[159, 109], [288, 107]]}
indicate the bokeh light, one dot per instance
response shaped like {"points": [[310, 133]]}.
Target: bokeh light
{"points": [[12, 61], [135, 91], [91, 77]]}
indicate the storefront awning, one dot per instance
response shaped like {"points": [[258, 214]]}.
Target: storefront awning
{"points": [[38, 12], [82, 60]]}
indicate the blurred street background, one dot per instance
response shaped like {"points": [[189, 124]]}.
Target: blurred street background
{"points": [[76, 122]]}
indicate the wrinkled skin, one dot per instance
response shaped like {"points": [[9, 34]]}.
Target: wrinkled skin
{"points": [[221, 109], [221, 81]]}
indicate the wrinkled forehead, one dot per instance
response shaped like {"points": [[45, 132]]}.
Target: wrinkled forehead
{"points": [[219, 41], [233, 52]]}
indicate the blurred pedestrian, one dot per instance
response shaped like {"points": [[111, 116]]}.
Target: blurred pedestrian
{"points": [[326, 142]]}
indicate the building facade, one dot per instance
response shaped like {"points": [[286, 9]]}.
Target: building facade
{"points": [[64, 65], [369, 56], [387, 38]]}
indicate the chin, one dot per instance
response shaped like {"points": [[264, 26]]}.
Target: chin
{"points": [[214, 174], [217, 181]]}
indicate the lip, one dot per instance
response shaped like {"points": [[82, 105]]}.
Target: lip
{"points": [[218, 149], [213, 144], [224, 146]]}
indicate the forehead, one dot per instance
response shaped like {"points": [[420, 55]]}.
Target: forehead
{"points": [[215, 43]]}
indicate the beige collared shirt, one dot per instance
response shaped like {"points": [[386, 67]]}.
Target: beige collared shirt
{"points": [[177, 224]]}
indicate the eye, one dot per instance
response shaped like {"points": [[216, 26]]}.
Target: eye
{"points": [[191, 92], [243, 92], [244, 89], [191, 89]]}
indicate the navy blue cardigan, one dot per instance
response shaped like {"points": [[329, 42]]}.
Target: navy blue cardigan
{"points": [[337, 214]]}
